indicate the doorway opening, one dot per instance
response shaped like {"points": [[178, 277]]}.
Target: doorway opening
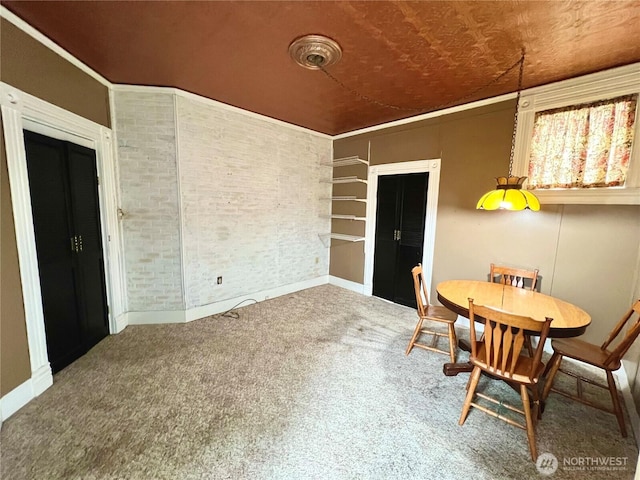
{"points": [[20, 112], [402, 203], [409, 192], [63, 185]]}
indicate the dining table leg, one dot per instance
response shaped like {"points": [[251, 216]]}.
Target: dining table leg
{"points": [[453, 369]]}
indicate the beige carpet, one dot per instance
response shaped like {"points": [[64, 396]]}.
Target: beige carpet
{"points": [[312, 385]]}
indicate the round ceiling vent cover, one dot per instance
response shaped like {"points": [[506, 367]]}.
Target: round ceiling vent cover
{"points": [[315, 51]]}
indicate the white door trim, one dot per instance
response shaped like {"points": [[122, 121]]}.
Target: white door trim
{"points": [[433, 168], [20, 110]]}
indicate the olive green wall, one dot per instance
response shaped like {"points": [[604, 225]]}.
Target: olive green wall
{"points": [[587, 255], [31, 67]]}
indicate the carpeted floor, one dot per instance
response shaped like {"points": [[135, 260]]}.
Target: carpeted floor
{"points": [[312, 385]]}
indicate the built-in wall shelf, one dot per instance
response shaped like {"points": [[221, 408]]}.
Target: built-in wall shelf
{"points": [[346, 217], [348, 238], [352, 179], [343, 162], [346, 198], [357, 168]]}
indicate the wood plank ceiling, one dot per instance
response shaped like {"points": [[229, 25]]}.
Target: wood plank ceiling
{"points": [[419, 56]]}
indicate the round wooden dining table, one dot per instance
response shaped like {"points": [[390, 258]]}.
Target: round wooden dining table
{"points": [[568, 319]]}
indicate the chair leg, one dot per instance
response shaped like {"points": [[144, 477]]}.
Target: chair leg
{"points": [[475, 376], [550, 373], [455, 335], [416, 332], [531, 435], [452, 343], [617, 408], [537, 411], [468, 383]]}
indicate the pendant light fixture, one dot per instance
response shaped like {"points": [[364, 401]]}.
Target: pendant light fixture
{"points": [[509, 194]]}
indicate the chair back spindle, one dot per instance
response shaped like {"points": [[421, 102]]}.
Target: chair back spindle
{"points": [[629, 337], [420, 289], [504, 338], [515, 277]]}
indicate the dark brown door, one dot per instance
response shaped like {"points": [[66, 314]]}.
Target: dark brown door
{"points": [[66, 218], [400, 217]]}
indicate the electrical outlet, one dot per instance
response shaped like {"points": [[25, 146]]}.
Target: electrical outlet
{"points": [[219, 280]]}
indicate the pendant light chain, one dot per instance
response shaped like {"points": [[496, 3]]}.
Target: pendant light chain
{"points": [[509, 194], [515, 116], [459, 101]]}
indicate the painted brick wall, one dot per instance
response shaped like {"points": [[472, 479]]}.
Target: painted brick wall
{"points": [[145, 127], [252, 202]]}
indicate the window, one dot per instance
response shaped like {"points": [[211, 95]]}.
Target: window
{"points": [[583, 146], [575, 139]]}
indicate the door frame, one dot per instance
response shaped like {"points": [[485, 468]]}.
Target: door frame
{"points": [[432, 167], [22, 111]]}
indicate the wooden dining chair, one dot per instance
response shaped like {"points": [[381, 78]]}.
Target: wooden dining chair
{"points": [[605, 357], [498, 353], [433, 313], [516, 277]]}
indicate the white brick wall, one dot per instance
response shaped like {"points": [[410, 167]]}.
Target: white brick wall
{"points": [[145, 126], [242, 199], [251, 202]]}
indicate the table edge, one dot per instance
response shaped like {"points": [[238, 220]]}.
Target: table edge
{"points": [[553, 332]]}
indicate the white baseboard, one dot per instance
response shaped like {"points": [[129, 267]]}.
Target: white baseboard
{"points": [[225, 305], [183, 316], [154, 317], [41, 379], [16, 399], [634, 418], [21, 395], [121, 323], [348, 284]]}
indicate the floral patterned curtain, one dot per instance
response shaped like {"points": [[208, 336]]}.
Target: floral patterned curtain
{"points": [[583, 146]]}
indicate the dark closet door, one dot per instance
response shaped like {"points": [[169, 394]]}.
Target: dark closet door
{"points": [[386, 244], [64, 203], [46, 165], [400, 218], [83, 181]]}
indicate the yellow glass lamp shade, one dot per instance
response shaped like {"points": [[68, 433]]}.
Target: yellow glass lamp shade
{"points": [[509, 195]]}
